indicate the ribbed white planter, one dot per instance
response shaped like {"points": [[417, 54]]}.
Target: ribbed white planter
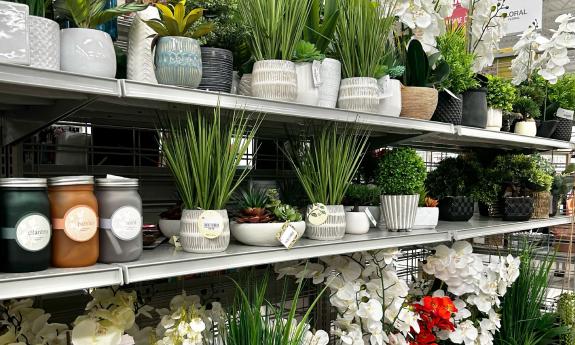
{"points": [[274, 79], [245, 86], [140, 58], [307, 91], [262, 234], [390, 105], [426, 218], [44, 43], [330, 73], [87, 51], [332, 229], [356, 223], [194, 242], [359, 94], [494, 119], [399, 211], [528, 128]]}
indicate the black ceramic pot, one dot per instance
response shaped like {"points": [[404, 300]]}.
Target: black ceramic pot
{"points": [[492, 209], [449, 109], [456, 208], [563, 130], [217, 69], [547, 128], [517, 208], [475, 108]]}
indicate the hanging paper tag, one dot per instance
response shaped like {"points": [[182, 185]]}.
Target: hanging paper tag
{"points": [[452, 94], [385, 90], [175, 241], [316, 72], [317, 214], [287, 235], [211, 224], [565, 114], [370, 216]]}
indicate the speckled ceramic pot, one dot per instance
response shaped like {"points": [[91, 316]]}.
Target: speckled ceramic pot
{"points": [[178, 61]]}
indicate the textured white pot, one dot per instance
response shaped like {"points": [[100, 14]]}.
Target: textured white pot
{"points": [[262, 234], [87, 51], [194, 242], [330, 73], [356, 223], [44, 43], [528, 128], [169, 227], [359, 94], [494, 119], [274, 79], [307, 91], [399, 211], [426, 218], [332, 229], [140, 57], [390, 105], [245, 86], [375, 212], [14, 33]]}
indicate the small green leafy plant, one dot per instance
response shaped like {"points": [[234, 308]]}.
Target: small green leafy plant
{"points": [[401, 172], [566, 311], [526, 107], [521, 173], [488, 188], [306, 52], [362, 195], [452, 46], [88, 14], [264, 206], [453, 177], [501, 93], [419, 68], [563, 92], [175, 21]]}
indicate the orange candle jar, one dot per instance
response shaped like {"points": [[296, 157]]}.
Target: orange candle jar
{"points": [[74, 212]]}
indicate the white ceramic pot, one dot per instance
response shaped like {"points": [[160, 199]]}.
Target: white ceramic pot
{"points": [[528, 128], [245, 86], [332, 229], [374, 210], [494, 119], [87, 51], [390, 103], [399, 211], [14, 33], [426, 218], [356, 223], [140, 57], [275, 80], [235, 83], [44, 43], [262, 234], [193, 237], [307, 91], [169, 227], [330, 73], [359, 94]]}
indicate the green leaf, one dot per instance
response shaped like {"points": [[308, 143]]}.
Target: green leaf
{"points": [[158, 26], [111, 13], [417, 68], [80, 12]]}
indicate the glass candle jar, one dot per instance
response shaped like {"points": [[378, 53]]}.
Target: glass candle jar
{"points": [[74, 211], [25, 231], [121, 220]]}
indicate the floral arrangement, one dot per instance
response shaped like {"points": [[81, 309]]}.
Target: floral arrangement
{"points": [[435, 313]]}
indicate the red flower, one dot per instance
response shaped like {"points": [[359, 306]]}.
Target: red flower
{"points": [[434, 314]]}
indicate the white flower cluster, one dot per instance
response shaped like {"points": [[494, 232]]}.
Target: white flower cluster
{"points": [[476, 285], [526, 49], [367, 293], [184, 323], [21, 324]]}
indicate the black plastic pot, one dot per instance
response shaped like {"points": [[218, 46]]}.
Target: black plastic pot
{"points": [[492, 209], [517, 208], [563, 130], [449, 109], [475, 108], [456, 208], [547, 128], [217, 69]]}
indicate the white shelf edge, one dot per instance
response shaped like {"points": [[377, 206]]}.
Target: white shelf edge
{"points": [[510, 227], [505, 137]]}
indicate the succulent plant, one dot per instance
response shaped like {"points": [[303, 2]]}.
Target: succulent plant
{"points": [[253, 207], [287, 213]]}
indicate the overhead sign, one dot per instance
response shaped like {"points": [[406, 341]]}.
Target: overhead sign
{"points": [[523, 13]]}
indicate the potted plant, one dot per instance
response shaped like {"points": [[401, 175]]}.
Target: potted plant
{"points": [[361, 197], [325, 164], [305, 55], [563, 95], [452, 46], [515, 173], [500, 97], [203, 155], [361, 42], [84, 49], [262, 217], [274, 27], [427, 215], [400, 175], [529, 110], [541, 183], [388, 80], [487, 193], [178, 58], [452, 183]]}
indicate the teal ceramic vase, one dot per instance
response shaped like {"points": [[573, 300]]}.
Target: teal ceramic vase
{"points": [[178, 61]]}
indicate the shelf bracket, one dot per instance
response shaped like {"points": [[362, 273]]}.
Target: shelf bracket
{"points": [[19, 124]]}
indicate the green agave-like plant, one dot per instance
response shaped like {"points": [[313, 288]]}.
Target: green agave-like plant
{"points": [[88, 14], [274, 26], [321, 24], [203, 155], [174, 21]]}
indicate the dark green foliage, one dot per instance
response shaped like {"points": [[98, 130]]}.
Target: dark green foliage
{"points": [[321, 24], [501, 93], [401, 172], [563, 92], [453, 177], [362, 195], [419, 68], [521, 173], [527, 107]]}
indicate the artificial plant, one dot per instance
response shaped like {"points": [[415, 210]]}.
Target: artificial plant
{"points": [[566, 311], [401, 171], [501, 93], [306, 52], [453, 177], [362, 195], [264, 206], [519, 174], [421, 70], [563, 92], [88, 14], [451, 46], [176, 21], [321, 23]]}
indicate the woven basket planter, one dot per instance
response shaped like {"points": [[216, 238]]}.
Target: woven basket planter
{"points": [[449, 109], [275, 80], [418, 102], [517, 208], [541, 205], [456, 208], [399, 211], [192, 239], [332, 229]]}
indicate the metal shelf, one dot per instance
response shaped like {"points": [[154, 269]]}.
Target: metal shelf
{"points": [[483, 226]]}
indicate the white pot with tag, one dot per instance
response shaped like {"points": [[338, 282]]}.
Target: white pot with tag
{"points": [[204, 231], [268, 234], [308, 82], [325, 222], [373, 214], [356, 223], [330, 76], [390, 101]]}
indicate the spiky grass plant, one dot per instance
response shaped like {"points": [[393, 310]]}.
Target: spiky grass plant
{"points": [[274, 26], [203, 155], [363, 35], [326, 163]]}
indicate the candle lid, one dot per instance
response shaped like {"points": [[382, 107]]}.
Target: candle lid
{"points": [[116, 181], [70, 180], [22, 182]]}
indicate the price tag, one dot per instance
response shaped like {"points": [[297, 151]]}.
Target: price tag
{"points": [[565, 114], [175, 241], [316, 72], [384, 89], [317, 214], [452, 94], [370, 216], [211, 224], [287, 235]]}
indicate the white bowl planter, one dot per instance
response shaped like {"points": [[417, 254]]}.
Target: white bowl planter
{"points": [[275, 80], [374, 210], [356, 223], [193, 238], [426, 218], [332, 229], [528, 128], [359, 94], [330, 73], [140, 58], [390, 104], [262, 234], [44, 43], [87, 51], [307, 90], [399, 211], [169, 227], [494, 119]]}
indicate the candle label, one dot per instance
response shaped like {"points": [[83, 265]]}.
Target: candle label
{"points": [[211, 224], [80, 223], [317, 214], [126, 223], [33, 232]]}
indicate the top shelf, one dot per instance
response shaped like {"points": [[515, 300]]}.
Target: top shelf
{"points": [[137, 102]]}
